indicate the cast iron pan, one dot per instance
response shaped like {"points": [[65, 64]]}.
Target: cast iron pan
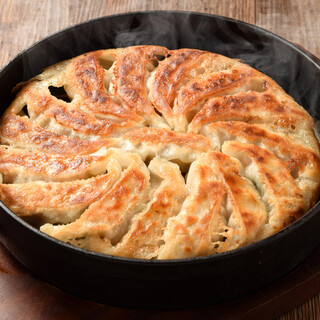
{"points": [[182, 283]]}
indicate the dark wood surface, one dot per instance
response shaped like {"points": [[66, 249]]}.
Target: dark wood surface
{"points": [[23, 296]]}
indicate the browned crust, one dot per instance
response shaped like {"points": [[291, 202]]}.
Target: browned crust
{"points": [[87, 78], [169, 76], [167, 137], [252, 106], [18, 131], [233, 158], [129, 80]]}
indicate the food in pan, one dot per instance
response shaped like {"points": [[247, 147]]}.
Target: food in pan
{"points": [[151, 153]]}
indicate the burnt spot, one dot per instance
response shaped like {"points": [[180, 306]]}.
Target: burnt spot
{"points": [[258, 153], [188, 249], [212, 107], [253, 131], [279, 109], [195, 87], [291, 219], [270, 178], [248, 220], [266, 97], [230, 179], [232, 80]]}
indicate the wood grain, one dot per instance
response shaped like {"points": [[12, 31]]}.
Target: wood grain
{"points": [[24, 22], [294, 20]]}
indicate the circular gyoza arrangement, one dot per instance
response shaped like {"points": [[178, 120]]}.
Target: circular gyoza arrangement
{"points": [[151, 153]]}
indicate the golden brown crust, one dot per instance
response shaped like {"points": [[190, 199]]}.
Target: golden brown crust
{"points": [[19, 132], [150, 142], [106, 221], [274, 182], [151, 153], [83, 123], [86, 78], [56, 202], [191, 230], [19, 166], [144, 236], [301, 159], [129, 79], [169, 75], [252, 107]]}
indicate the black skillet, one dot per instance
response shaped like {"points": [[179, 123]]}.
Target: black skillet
{"points": [[167, 284]]}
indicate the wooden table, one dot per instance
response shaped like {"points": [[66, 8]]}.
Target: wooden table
{"points": [[23, 22]]}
